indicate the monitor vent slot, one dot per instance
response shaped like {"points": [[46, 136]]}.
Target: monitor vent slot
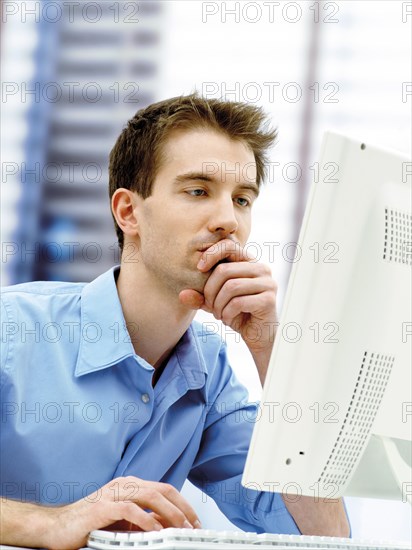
{"points": [[364, 404], [398, 237]]}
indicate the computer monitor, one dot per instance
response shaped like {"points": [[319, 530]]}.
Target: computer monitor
{"points": [[336, 411]]}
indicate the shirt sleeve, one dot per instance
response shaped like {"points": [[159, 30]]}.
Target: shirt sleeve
{"points": [[6, 332], [219, 465]]}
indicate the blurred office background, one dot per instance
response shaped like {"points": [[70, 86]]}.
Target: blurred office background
{"points": [[73, 74]]}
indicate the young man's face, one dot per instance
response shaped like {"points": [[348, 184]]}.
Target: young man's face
{"points": [[202, 194]]}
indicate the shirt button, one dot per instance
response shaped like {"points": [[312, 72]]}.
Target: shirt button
{"points": [[145, 398]]}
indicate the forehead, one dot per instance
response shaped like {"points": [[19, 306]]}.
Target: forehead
{"points": [[207, 151]]}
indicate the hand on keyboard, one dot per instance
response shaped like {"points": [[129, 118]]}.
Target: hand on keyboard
{"points": [[121, 500]]}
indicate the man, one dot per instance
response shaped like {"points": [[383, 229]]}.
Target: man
{"points": [[123, 396]]}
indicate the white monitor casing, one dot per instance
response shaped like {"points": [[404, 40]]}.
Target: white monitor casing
{"points": [[336, 412]]}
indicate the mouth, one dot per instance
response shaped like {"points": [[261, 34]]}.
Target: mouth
{"points": [[206, 247]]}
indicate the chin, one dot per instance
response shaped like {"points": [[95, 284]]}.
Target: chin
{"points": [[196, 281]]}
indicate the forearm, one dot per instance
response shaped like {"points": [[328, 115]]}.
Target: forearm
{"points": [[319, 516], [24, 524]]}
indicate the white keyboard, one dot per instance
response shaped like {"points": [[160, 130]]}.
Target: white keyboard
{"points": [[206, 539]]}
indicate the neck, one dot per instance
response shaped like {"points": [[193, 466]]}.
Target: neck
{"points": [[155, 318]]}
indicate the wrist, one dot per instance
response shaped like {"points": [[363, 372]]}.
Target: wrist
{"points": [[262, 359], [47, 523], [67, 527]]}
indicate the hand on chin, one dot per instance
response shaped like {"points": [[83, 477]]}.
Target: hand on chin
{"points": [[191, 298], [195, 299]]}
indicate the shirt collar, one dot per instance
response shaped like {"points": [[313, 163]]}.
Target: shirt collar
{"points": [[105, 341], [189, 355]]}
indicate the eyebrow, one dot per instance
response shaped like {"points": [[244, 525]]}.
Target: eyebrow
{"points": [[200, 176]]}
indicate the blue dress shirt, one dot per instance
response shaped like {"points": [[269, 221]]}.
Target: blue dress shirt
{"points": [[78, 407]]}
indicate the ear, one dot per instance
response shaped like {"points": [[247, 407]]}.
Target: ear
{"points": [[124, 208]]}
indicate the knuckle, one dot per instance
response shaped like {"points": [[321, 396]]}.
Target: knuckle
{"points": [[150, 494], [131, 485], [168, 489], [125, 508], [128, 507], [220, 269], [232, 285], [272, 300], [237, 301], [127, 479], [134, 510], [265, 269], [113, 482], [152, 524], [178, 517]]}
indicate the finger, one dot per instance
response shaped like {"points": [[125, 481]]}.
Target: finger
{"points": [[238, 287], [172, 510], [174, 496], [225, 249], [255, 305], [141, 519], [130, 513], [162, 498], [235, 270], [156, 517]]}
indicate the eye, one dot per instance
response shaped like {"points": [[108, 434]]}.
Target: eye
{"points": [[245, 202], [196, 192]]}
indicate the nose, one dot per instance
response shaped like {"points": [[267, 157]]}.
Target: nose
{"points": [[223, 216]]}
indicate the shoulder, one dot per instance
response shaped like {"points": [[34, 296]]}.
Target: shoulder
{"points": [[40, 288], [39, 300], [37, 295], [31, 306]]}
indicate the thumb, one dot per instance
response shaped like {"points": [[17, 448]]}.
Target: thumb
{"points": [[191, 298]]}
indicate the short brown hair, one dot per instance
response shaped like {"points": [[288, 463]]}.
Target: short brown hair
{"points": [[136, 156]]}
